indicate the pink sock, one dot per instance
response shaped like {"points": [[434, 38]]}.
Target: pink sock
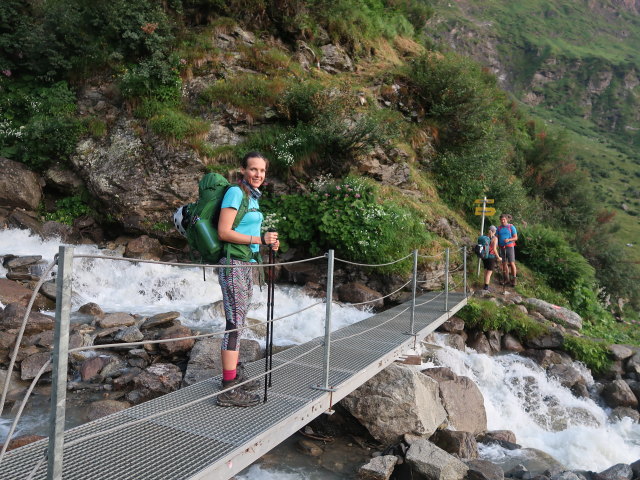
{"points": [[228, 374]]}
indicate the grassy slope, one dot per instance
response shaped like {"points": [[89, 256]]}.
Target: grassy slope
{"points": [[530, 32]]}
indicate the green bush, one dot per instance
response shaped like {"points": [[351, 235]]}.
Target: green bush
{"points": [[176, 125], [593, 353], [347, 217], [485, 315], [37, 125], [547, 252], [68, 209]]}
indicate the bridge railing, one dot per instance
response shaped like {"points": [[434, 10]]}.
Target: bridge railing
{"points": [[64, 260]]}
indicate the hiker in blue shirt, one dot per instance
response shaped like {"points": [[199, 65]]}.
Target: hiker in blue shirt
{"points": [[492, 257], [242, 247], [507, 236]]}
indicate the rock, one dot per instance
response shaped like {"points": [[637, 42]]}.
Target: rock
{"points": [[24, 221], [429, 462], [454, 341], [13, 292], [478, 341], [30, 366], [102, 408], [114, 367], [567, 375], [22, 261], [554, 338], [48, 289], [621, 471], [635, 467], [544, 358], [505, 438], [460, 444], [494, 337], [334, 59], [129, 335], [356, 292], [144, 248], [483, 470], [619, 394], [179, 346], [620, 352], [459, 395], [19, 186], [511, 343], [309, 448], [161, 319], [154, 381], [16, 386], [452, 325], [379, 468], [13, 315], [555, 313], [118, 319], [396, 401], [92, 366], [91, 309], [65, 181], [619, 413]]}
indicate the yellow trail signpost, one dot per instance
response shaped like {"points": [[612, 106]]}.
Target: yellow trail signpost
{"points": [[488, 211]]}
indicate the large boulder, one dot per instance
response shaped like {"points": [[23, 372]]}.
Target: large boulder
{"points": [[19, 186], [13, 292], [619, 394], [140, 179], [396, 401], [429, 462], [555, 313], [460, 396]]}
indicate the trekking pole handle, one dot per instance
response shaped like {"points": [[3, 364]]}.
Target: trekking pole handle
{"points": [[271, 230]]}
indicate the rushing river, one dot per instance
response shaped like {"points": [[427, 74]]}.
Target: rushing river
{"points": [[518, 396]]}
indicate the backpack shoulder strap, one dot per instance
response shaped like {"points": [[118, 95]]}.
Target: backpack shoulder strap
{"points": [[244, 207]]}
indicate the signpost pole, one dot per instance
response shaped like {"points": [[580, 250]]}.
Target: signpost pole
{"points": [[484, 207]]}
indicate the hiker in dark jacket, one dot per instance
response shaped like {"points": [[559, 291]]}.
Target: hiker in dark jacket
{"points": [[489, 261], [242, 247]]}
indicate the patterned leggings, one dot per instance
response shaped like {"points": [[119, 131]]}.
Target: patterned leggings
{"points": [[237, 286]]}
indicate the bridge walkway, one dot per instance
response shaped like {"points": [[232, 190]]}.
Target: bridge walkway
{"points": [[196, 439]]}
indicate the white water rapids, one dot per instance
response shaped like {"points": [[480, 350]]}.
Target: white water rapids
{"points": [[518, 396]]}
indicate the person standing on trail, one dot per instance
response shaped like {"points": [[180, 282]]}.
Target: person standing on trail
{"points": [[489, 261], [242, 247], [507, 236]]}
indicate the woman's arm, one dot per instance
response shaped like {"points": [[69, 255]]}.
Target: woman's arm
{"points": [[226, 232], [494, 243]]}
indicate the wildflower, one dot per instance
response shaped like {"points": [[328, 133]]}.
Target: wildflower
{"points": [[6, 73], [357, 195], [149, 27]]}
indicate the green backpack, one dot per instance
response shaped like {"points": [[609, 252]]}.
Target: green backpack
{"points": [[198, 221]]}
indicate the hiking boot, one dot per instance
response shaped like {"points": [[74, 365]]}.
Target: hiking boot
{"points": [[514, 281], [238, 398], [241, 376]]}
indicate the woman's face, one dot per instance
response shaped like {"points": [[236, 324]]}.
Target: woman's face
{"points": [[255, 172]]}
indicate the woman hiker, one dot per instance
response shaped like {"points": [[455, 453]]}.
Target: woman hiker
{"points": [[507, 236], [242, 248], [490, 261]]}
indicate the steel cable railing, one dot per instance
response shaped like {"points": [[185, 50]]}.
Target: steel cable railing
{"points": [[200, 336], [372, 264], [375, 299]]}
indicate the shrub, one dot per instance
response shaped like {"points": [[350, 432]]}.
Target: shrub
{"points": [[68, 209], [176, 125], [593, 353], [347, 217], [38, 124], [485, 315]]}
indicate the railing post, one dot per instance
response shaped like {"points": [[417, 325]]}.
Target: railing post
{"points": [[446, 282], [327, 322], [413, 297], [464, 268], [59, 362]]}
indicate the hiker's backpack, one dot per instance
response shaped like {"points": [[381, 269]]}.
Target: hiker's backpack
{"points": [[481, 247], [198, 221]]}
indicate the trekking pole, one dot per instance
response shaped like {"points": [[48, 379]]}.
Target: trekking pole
{"points": [[272, 272]]}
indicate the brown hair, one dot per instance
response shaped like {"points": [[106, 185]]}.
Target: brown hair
{"points": [[244, 163]]}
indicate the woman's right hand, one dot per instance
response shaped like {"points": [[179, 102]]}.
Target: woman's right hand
{"points": [[270, 238]]}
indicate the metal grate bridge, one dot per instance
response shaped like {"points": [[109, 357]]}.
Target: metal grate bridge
{"points": [[196, 439]]}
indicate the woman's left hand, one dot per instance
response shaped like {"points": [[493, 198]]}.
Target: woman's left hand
{"points": [[276, 245]]}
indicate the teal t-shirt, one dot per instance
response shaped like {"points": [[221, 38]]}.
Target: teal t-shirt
{"points": [[252, 220]]}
